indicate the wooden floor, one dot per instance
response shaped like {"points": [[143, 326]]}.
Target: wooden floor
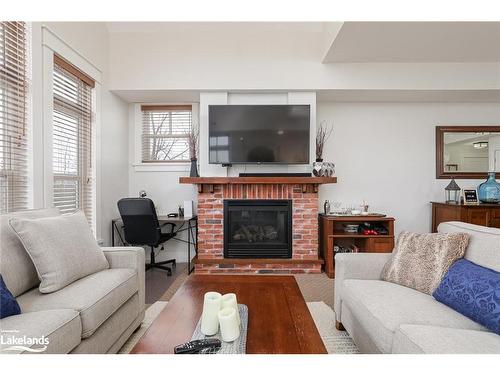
{"points": [[157, 282]]}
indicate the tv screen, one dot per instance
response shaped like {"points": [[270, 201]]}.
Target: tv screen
{"points": [[255, 134]]}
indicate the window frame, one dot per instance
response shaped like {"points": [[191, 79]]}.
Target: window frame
{"points": [[52, 44], [136, 127], [164, 108], [85, 139]]}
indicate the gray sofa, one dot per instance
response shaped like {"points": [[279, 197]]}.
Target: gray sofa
{"points": [[95, 314], [383, 317]]}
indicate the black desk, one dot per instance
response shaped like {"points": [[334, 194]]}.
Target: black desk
{"points": [[189, 224]]}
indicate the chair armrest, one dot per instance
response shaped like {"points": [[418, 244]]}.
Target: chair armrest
{"points": [[129, 257], [363, 266]]}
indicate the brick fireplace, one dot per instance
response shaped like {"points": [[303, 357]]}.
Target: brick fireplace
{"points": [[301, 192]]}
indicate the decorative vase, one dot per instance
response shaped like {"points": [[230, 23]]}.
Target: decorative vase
{"points": [[194, 168], [489, 191], [317, 167], [326, 207], [331, 169]]}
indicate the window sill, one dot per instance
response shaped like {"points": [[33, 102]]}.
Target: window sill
{"points": [[161, 167]]}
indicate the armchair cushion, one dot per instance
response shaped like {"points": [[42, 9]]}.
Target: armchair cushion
{"points": [[8, 304], [95, 297], [474, 291], [132, 258], [50, 332], [16, 267], [426, 339], [62, 249], [364, 266], [381, 307], [420, 261]]}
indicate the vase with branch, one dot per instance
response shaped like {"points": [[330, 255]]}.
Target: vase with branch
{"points": [[193, 137], [322, 134]]}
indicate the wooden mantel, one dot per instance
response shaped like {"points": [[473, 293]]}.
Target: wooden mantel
{"points": [[209, 182]]}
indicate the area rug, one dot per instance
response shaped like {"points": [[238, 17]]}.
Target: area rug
{"points": [[151, 313], [336, 342]]}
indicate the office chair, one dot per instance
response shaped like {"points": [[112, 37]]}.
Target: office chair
{"points": [[141, 227]]}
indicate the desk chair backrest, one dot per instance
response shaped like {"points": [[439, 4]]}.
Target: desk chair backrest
{"points": [[140, 222]]}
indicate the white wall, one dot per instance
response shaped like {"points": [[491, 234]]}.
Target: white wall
{"points": [[385, 154], [90, 41], [160, 182], [114, 159]]}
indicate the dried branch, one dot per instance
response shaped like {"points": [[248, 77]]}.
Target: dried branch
{"points": [[322, 134], [193, 136]]}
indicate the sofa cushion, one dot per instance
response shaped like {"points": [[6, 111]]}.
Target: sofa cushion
{"points": [[63, 249], [8, 304], [415, 339], [484, 243], [59, 330], [474, 291], [419, 261], [381, 307], [112, 329], [16, 267], [96, 297]]}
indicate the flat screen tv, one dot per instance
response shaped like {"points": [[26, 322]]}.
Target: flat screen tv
{"points": [[259, 134]]}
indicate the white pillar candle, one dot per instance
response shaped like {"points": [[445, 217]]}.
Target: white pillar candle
{"points": [[229, 300], [229, 326], [209, 317]]}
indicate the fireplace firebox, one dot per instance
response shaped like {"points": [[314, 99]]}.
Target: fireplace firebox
{"points": [[258, 228]]}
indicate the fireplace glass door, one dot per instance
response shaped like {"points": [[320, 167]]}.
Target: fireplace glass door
{"points": [[257, 228]]}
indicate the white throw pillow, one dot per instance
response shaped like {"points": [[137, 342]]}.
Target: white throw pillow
{"points": [[62, 249]]}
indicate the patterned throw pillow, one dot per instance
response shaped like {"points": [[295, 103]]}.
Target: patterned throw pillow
{"points": [[420, 261], [473, 291], [8, 304]]}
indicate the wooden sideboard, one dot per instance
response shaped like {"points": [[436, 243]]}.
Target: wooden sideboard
{"points": [[487, 215], [332, 233]]}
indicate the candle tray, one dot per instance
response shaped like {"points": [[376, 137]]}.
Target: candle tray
{"points": [[239, 345]]}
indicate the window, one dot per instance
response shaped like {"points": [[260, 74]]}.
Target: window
{"points": [[13, 117], [72, 139], [165, 132]]}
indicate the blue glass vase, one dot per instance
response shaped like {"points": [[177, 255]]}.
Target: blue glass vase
{"points": [[489, 191]]}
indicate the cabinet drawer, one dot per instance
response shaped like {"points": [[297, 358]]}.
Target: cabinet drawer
{"points": [[478, 216], [495, 218], [379, 245]]}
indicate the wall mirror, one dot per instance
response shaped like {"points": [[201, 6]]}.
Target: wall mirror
{"points": [[467, 151]]}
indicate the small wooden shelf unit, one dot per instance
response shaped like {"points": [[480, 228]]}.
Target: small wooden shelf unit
{"points": [[331, 234]]}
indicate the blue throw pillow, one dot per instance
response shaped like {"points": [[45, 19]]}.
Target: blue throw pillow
{"points": [[8, 304], [473, 291]]}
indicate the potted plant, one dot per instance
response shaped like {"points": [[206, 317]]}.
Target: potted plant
{"points": [[193, 137], [322, 134]]}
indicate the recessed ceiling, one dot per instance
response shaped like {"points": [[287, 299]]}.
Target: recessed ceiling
{"points": [[416, 42], [159, 27]]}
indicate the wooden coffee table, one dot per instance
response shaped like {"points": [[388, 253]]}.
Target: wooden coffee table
{"points": [[278, 318]]}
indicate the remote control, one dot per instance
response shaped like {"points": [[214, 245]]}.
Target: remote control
{"points": [[197, 346]]}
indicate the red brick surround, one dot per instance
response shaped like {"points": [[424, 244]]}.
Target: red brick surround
{"points": [[304, 223]]}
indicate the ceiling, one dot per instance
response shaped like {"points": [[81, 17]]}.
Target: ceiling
{"points": [[346, 42], [158, 27], [406, 42]]}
